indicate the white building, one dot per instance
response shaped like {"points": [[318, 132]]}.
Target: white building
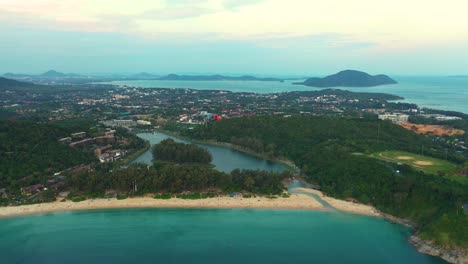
{"points": [[143, 123], [395, 118]]}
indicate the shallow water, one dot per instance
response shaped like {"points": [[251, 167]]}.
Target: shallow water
{"points": [[204, 236]]}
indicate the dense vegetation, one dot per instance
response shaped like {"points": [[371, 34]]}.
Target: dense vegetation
{"points": [[182, 171], [30, 149], [170, 151], [139, 179], [332, 153]]}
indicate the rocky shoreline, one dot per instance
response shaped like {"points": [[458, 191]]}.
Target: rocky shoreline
{"points": [[457, 256]]}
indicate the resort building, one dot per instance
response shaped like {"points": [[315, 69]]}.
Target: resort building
{"points": [[395, 118]]}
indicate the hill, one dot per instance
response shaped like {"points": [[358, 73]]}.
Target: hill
{"points": [[175, 77], [349, 78], [143, 75], [29, 148], [52, 74], [6, 83], [16, 75]]}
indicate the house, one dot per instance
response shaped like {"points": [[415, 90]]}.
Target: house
{"points": [[29, 190]]}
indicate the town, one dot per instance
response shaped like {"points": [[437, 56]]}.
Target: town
{"points": [[115, 113]]}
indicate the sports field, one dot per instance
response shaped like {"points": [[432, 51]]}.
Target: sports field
{"points": [[426, 164]]}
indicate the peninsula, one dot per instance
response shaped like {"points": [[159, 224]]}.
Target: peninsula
{"points": [[349, 78]]}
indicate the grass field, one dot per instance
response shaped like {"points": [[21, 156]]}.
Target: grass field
{"points": [[423, 163]]}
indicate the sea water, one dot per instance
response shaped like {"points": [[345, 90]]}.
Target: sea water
{"points": [[439, 92], [204, 236]]}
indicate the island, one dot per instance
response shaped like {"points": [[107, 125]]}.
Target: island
{"points": [[349, 78], [175, 77]]}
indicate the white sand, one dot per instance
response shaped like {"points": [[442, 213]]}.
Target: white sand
{"points": [[295, 201], [355, 208]]}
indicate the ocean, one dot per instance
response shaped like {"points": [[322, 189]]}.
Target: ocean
{"points": [[444, 93], [205, 236]]}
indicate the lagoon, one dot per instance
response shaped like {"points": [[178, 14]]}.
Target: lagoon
{"points": [[224, 159]]}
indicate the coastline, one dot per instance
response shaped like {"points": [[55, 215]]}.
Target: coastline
{"points": [[294, 202], [299, 201]]}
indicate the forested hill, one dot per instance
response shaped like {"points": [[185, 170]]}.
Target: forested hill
{"points": [[27, 148], [6, 83], [349, 78], [332, 153]]}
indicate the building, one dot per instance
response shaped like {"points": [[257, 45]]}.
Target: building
{"points": [[32, 189], [119, 123], [104, 139], [66, 140], [440, 117], [79, 135], [395, 118], [112, 155], [110, 133], [102, 150], [143, 123], [82, 143]]}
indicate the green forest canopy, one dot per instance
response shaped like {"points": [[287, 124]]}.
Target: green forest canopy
{"points": [[325, 149], [170, 151]]}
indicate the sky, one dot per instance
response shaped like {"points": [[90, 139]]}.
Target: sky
{"points": [[263, 37]]}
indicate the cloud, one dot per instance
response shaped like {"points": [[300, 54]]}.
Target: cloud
{"points": [[235, 5]]}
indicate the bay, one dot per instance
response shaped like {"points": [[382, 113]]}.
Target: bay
{"points": [[438, 92], [204, 236]]}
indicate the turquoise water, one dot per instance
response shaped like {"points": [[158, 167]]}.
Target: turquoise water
{"points": [[446, 93], [224, 159], [204, 236]]}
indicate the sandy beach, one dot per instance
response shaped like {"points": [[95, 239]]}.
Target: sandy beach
{"points": [[295, 201], [350, 207]]}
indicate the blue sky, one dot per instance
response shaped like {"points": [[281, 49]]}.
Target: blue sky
{"points": [[295, 37]]}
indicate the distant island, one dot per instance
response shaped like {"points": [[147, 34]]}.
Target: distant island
{"points": [[56, 75], [175, 77], [52, 74], [349, 78]]}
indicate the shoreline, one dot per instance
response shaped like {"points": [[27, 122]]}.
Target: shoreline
{"points": [[294, 202]]}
